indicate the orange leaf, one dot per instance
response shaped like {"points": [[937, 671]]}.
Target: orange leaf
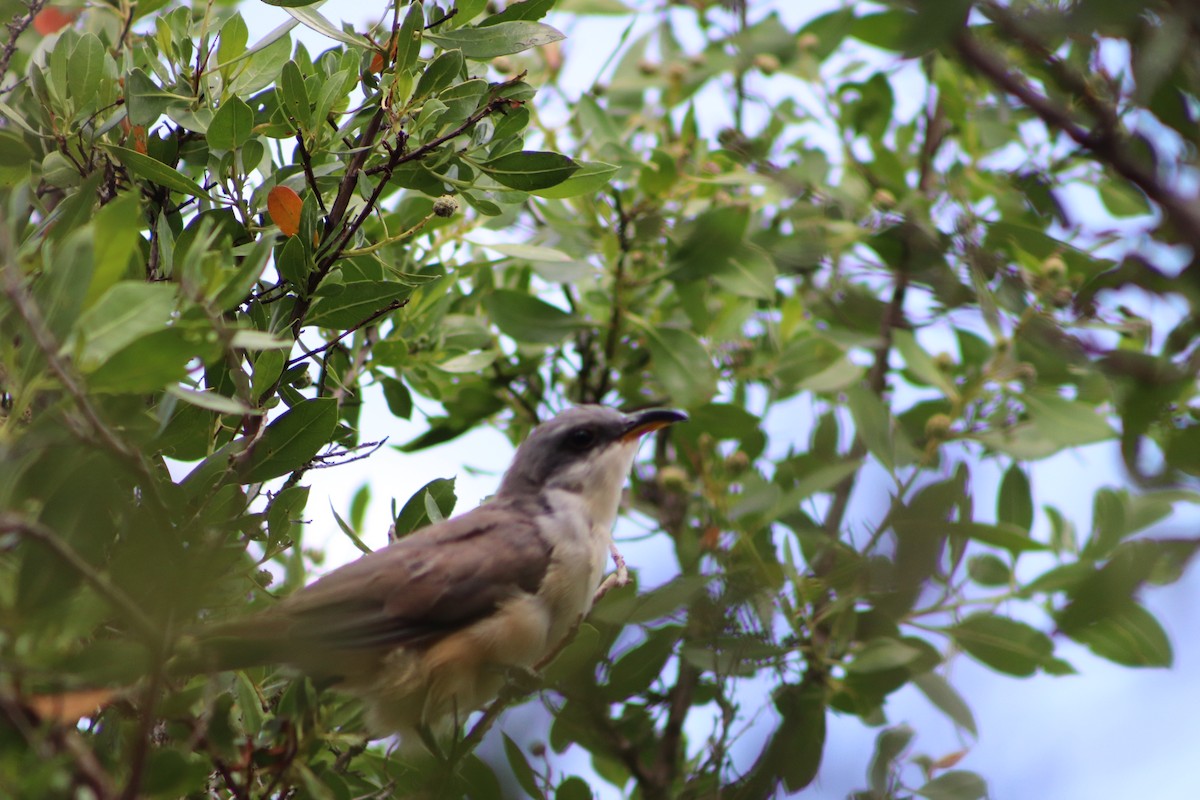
{"points": [[51, 20], [68, 707], [284, 206], [948, 761], [377, 64]]}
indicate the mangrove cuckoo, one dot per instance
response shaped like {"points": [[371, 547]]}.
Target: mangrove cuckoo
{"points": [[423, 629]]}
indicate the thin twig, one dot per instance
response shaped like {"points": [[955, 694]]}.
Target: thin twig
{"points": [[326, 461], [448, 15], [306, 162], [15, 28], [613, 335], [392, 306]]}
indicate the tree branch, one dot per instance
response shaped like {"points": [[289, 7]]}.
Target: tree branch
{"points": [[15, 28], [1106, 143]]}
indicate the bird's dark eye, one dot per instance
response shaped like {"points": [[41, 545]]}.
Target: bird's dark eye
{"points": [[581, 439]]}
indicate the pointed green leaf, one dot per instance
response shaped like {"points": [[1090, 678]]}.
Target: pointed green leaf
{"points": [[232, 125], [955, 785], [528, 170], [157, 172], [123, 314], [292, 440], [501, 39], [1003, 644], [415, 513], [1130, 636], [86, 68], [1015, 502], [591, 177]]}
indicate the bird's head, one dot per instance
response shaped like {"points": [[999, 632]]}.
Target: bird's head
{"points": [[586, 449]]}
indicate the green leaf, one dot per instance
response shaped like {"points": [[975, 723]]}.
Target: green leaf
{"points": [[292, 440], [125, 313], [295, 264], [232, 125], [157, 172], [349, 531], [939, 692], [1067, 423], [822, 479], [501, 39], [408, 42], [708, 242], [118, 224], [529, 252], [252, 339], [578, 657], [887, 30], [955, 785], [1122, 198], [889, 745], [872, 424], [440, 74], [523, 10], [151, 362], [920, 363], [682, 365], [248, 703], [1003, 644], [881, 654], [748, 273], [468, 362], [415, 514], [212, 401], [635, 671], [311, 19], [1130, 636], [629, 608], [1014, 505], [592, 177], [295, 95], [234, 36], [145, 101], [573, 788], [357, 302], [398, 397], [15, 158], [86, 68], [529, 170], [1004, 535], [796, 747], [520, 767], [989, 570], [291, 3], [242, 279], [528, 319]]}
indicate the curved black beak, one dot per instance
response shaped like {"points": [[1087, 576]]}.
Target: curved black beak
{"points": [[643, 422]]}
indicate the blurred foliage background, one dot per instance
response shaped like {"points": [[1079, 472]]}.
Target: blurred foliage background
{"points": [[882, 288]]}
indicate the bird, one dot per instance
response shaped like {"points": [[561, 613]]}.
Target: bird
{"points": [[424, 630]]}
